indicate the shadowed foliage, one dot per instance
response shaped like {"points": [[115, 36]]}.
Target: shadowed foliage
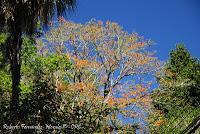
{"points": [[19, 17]]}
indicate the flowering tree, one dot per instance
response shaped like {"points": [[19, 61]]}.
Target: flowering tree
{"points": [[108, 65]]}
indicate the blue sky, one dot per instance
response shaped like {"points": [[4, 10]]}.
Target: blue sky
{"points": [[166, 22]]}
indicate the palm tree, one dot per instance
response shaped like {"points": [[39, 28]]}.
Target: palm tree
{"points": [[19, 17]]}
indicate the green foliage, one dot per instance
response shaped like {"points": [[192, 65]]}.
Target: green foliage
{"points": [[176, 101], [5, 92], [2, 38], [5, 84], [187, 71]]}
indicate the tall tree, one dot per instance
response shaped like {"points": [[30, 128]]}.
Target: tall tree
{"points": [[106, 59], [18, 17], [178, 96], [182, 72]]}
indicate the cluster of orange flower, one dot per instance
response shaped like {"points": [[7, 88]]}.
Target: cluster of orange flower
{"points": [[81, 86], [81, 63], [159, 123], [136, 46]]}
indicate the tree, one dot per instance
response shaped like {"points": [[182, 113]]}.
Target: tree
{"points": [[107, 60], [182, 73], [176, 102], [18, 18], [48, 97]]}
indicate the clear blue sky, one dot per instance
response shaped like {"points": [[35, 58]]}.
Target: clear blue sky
{"points": [[166, 22]]}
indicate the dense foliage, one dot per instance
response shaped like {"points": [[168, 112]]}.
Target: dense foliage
{"points": [[177, 100], [18, 18]]}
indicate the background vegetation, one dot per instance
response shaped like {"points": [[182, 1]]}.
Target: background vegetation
{"points": [[89, 78]]}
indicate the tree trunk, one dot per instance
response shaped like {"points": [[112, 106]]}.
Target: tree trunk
{"points": [[14, 49]]}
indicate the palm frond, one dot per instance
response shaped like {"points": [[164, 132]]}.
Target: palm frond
{"points": [[26, 13]]}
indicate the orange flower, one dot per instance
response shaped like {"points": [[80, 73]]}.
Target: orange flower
{"points": [[111, 101], [80, 86], [60, 86], [159, 123], [122, 102], [89, 86], [80, 63]]}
